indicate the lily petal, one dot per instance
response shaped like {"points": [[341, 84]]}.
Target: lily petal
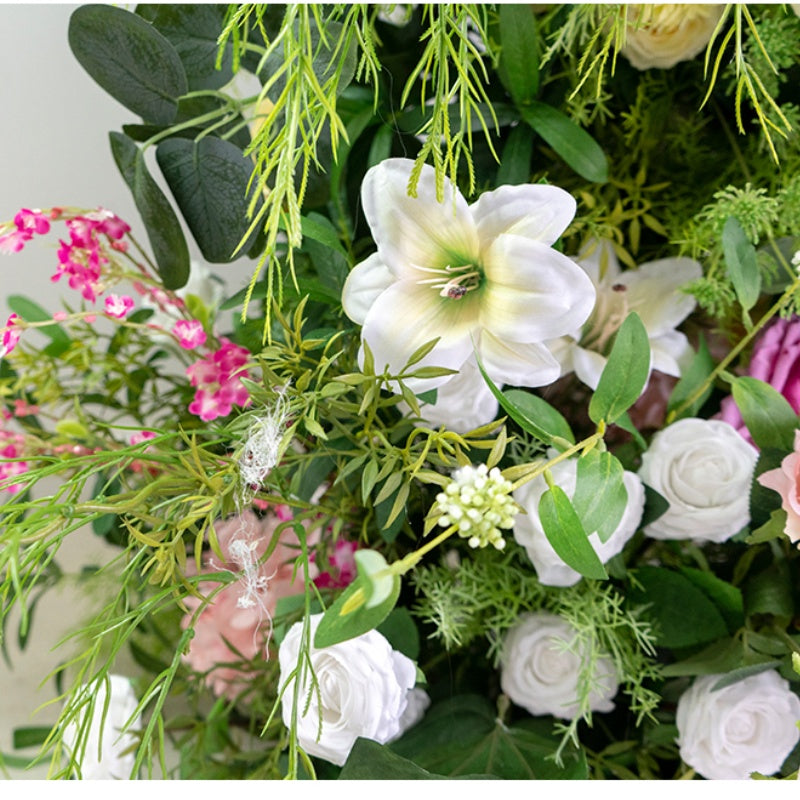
{"points": [[534, 211], [669, 352], [518, 364], [532, 293], [364, 284], [588, 366], [417, 231], [600, 262], [423, 316]]}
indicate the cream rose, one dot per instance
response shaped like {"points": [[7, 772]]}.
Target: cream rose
{"points": [[105, 753], [703, 468], [528, 530], [749, 726], [661, 35], [364, 688], [541, 670]]}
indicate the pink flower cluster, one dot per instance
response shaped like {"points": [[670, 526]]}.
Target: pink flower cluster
{"points": [[83, 257], [343, 567], [27, 223], [11, 334], [217, 378], [190, 333], [11, 446], [227, 631]]}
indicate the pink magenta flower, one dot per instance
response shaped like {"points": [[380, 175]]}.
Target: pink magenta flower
{"points": [[785, 480], [190, 333], [776, 361], [11, 334], [343, 562], [9, 469], [118, 306], [27, 224], [217, 380], [228, 630]]}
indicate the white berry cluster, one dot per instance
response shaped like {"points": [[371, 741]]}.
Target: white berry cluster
{"points": [[479, 502]]}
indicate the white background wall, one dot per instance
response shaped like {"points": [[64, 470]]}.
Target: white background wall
{"points": [[54, 124]]}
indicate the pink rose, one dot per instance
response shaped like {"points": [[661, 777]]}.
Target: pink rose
{"points": [[236, 625], [785, 480], [776, 361]]}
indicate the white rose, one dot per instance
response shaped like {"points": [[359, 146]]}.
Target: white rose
{"points": [[703, 468], [528, 530], [749, 726], [661, 35], [364, 687], [541, 670], [104, 754]]}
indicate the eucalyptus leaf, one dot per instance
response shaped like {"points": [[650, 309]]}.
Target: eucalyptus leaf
{"points": [[625, 374], [129, 59], [163, 229], [600, 496], [740, 259], [566, 534], [694, 376], [766, 413]]}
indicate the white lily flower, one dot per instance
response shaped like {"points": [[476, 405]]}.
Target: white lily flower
{"points": [[652, 290], [477, 277]]}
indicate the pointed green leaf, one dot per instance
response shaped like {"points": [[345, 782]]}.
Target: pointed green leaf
{"points": [[567, 536], [515, 161], [766, 412], [740, 259], [600, 496], [519, 52], [130, 59], [625, 373], [692, 378], [163, 229], [571, 142]]}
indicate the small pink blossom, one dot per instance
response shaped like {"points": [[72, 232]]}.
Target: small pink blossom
{"points": [[14, 241], [785, 480], [60, 316], [90, 318], [142, 436], [118, 306], [22, 408], [190, 333], [217, 380], [343, 562], [10, 469], [11, 334], [32, 221]]}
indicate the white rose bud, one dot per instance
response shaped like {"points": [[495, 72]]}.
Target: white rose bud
{"points": [[661, 35], [105, 754], [364, 688], [528, 530], [749, 726], [704, 469], [541, 669]]}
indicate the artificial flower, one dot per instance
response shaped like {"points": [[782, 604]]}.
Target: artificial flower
{"points": [[217, 379], [661, 35], [362, 688], [652, 290], [480, 277], [105, 753], [731, 732], [703, 469], [528, 530], [785, 480], [190, 333], [11, 335], [542, 669], [118, 306]]}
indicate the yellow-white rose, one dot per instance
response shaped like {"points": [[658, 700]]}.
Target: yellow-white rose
{"points": [[661, 35]]}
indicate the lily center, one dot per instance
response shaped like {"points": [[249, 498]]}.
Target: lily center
{"points": [[453, 281]]}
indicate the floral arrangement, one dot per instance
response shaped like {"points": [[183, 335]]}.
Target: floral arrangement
{"points": [[491, 471]]}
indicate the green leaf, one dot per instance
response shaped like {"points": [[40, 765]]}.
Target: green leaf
{"points": [[33, 312], [462, 736], [770, 592], [30, 737], [519, 52], [130, 59], [580, 151], [766, 413], [726, 597], [625, 373], [163, 229], [369, 760], [567, 536], [717, 658], [210, 179], [692, 378], [740, 258], [401, 632], [515, 161], [193, 29], [600, 496], [682, 614], [745, 672], [773, 528]]}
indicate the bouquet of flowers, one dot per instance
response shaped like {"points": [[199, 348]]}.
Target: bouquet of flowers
{"points": [[493, 469]]}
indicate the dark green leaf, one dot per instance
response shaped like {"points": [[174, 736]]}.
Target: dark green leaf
{"points": [[726, 597], [717, 658], [369, 760], [33, 312], [515, 161], [600, 496], [766, 412], [130, 59], [401, 632], [193, 29], [764, 501], [567, 536], [770, 592], [625, 373], [740, 258], [209, 180], [572, 143], [519, 52], [682, 614], [163, 229], [692, 378], [30, 737], [745, 672]]}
